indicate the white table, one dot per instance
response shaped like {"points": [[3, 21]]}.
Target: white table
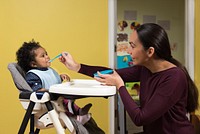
{"points": [[88, 88]]}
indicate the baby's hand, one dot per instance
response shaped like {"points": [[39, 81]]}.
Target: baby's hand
{"points": [[65, 77]]}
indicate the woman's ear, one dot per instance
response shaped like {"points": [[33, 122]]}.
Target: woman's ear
{"points": [[150, 52]]}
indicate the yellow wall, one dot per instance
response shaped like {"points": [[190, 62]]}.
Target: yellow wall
{"points": [[197, 47], [77, 26]]}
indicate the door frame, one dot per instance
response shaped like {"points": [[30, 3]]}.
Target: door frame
{"points": [[189, 36]]}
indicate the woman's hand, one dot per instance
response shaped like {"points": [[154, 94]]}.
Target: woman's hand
{"points": [[69, 62], [110, 79], [65, 77]]}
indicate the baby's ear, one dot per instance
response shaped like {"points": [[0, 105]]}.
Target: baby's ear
{"points": [[32, 64]]}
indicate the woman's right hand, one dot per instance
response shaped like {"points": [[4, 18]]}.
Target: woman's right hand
{"points": [[110, 79], [69, 62]]}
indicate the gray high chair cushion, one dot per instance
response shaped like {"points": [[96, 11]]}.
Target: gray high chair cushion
{"points": [[18, 76]]}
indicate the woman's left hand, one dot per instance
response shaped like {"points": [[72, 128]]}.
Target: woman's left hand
{"points": [[110, 79]]}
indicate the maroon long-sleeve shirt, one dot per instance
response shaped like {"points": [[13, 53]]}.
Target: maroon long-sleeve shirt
{"points": [[163, 98]]}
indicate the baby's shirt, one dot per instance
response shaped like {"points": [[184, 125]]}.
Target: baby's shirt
{"points": [[42, 78]]}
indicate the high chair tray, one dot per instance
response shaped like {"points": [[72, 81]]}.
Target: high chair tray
{"points": [[83, 87]]}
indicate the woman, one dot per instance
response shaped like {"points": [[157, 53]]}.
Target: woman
{"points": [[167, 92]]}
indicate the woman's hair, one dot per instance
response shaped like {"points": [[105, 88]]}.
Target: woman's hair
{"points": [[153, 35], [25, 54]]}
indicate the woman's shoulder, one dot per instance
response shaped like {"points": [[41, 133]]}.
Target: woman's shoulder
{"points": [[173, 70], [175, 73]]}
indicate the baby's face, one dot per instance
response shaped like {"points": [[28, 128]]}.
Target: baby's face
{"points": [[41, 58]]}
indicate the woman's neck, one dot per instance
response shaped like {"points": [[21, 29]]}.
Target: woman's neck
{"points": [[157, 65]]}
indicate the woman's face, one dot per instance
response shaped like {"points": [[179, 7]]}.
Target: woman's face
{"points": [[136, 50], [41, 58]]}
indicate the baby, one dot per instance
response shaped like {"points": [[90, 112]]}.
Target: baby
{"points": [[34, 60]]}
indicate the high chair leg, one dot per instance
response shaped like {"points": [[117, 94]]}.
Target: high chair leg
{"points": [[26, 117], [54, 117], [37, 131], [32, 124]]}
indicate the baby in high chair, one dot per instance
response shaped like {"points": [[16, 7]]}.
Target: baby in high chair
{"points": [[34, 60]]}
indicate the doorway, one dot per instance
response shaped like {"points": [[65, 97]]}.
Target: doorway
{"points": [[177, 17]]}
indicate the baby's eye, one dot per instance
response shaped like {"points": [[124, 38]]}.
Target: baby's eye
{"points": [[43, 55]]}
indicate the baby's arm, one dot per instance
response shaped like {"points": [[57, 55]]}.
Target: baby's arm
{"points": [[65, 77], [34, 82]]}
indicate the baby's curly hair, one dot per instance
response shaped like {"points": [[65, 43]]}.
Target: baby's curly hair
{"points": [[25, 54]]}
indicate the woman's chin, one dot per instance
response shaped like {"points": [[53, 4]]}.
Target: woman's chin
{"points": [[136, 63]]}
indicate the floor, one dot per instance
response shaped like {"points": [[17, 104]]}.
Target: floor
{"points": [[131, 127]]}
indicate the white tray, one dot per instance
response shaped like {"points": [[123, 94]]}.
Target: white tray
{"points": [[83, 87]]}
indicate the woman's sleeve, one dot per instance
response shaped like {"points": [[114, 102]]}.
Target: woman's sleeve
{"points": [[90, 70], [130, 74], [33, 81], [166, 95]]}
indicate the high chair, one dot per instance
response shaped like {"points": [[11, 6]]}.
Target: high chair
{"points": [[42, 109], [45, 109]]}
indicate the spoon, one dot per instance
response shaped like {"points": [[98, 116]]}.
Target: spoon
{"points": [[55, 58]]}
